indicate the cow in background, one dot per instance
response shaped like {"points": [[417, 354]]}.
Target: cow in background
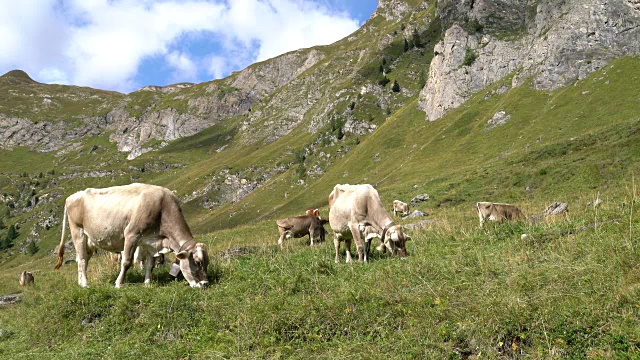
{"points": [[400, 207], [497, 212], [140, 257], [26, 278], [356, 210], [300, 226], [314, 212], [121, 218]]}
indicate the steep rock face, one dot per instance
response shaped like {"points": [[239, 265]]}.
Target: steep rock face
{"points": [[223, 99], [391, 9], [561, 42], [44, 136]]}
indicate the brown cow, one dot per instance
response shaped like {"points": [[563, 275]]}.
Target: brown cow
{"points": [[121, 218], [140, 257], [497, 212], [300, 226], [26, 278], [355, 208], [315, 212], [400, 207]]}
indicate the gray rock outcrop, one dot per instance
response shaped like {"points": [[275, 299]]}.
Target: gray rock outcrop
{"points": [[556, 208], [500, 118], [416, 214], [554, 43], [44, 136], [418, 199]]}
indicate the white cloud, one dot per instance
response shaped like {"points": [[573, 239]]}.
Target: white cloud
{"points": [[53, 76], [217, 67], [102, 43], [186, 69]]}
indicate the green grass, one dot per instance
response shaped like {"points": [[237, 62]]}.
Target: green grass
{"points": [[568, 289], [462, 291]]}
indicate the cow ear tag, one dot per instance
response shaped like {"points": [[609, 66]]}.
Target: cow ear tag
{"points": [[175, 270]]}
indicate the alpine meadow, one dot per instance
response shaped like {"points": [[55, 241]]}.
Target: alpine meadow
{"points": [[440, 104]]}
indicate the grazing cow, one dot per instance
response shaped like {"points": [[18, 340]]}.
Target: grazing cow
{"points": [[497, 212], [122, 218], [400, 207], [300, 226], [315, 212], [356, 212], [26, 278], [140, 257]]}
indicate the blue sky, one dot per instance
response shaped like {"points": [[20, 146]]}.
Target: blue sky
{"points": [[123, 45]]}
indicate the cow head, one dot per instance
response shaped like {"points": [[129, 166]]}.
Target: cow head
{"points": [[395, 241], [484, 208], [194, 261]]}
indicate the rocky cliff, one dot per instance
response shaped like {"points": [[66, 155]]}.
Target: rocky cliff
{"points": [[552, 42], [475, 43]]}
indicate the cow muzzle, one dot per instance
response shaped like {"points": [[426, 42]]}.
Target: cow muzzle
{"points": [[201, 284]]}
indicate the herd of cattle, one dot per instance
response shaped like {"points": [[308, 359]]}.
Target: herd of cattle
{"points": [[143, 222]]}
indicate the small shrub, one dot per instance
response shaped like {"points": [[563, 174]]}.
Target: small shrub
{"points": [[301, 172], [422, 80], [384, 81], [415, 39], [32, 248], [470, 57], [395, 87], [300, 156]]}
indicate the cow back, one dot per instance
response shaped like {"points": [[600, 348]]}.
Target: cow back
{"points": [[356, 204]]}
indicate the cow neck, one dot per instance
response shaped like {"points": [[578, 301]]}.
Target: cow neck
{"points": [[381, 222], [187, 245], [384, 231]]}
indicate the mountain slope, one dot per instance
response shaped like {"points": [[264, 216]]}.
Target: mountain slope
{"points": [[290, 129]]}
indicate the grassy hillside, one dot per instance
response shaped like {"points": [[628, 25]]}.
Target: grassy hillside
{"points": [[570, 288], [562, 287]]}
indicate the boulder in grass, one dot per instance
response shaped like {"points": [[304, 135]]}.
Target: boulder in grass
{"points": [[418, 199], [416, 214], [556, 208]]}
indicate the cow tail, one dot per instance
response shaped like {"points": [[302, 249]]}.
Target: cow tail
{"points": [[61, 246]]}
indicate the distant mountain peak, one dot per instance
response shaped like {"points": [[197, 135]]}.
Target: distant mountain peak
{"points": [[18, 75]]}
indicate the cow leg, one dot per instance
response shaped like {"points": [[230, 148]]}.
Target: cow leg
{"points": [[355, 231], [282, 232], [336, 243], [130, 243], [367, 246], [382, 248], [311, 235], [347, 244], [150, 263], [82, 257]]}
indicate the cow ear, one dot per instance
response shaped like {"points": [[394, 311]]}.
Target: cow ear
{"points": [[407, 238], [182, 255]]}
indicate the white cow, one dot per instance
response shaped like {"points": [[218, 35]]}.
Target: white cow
{"points": [[400, 207], [26, 278], [355, 212], [121, 218], [497, 212]]}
